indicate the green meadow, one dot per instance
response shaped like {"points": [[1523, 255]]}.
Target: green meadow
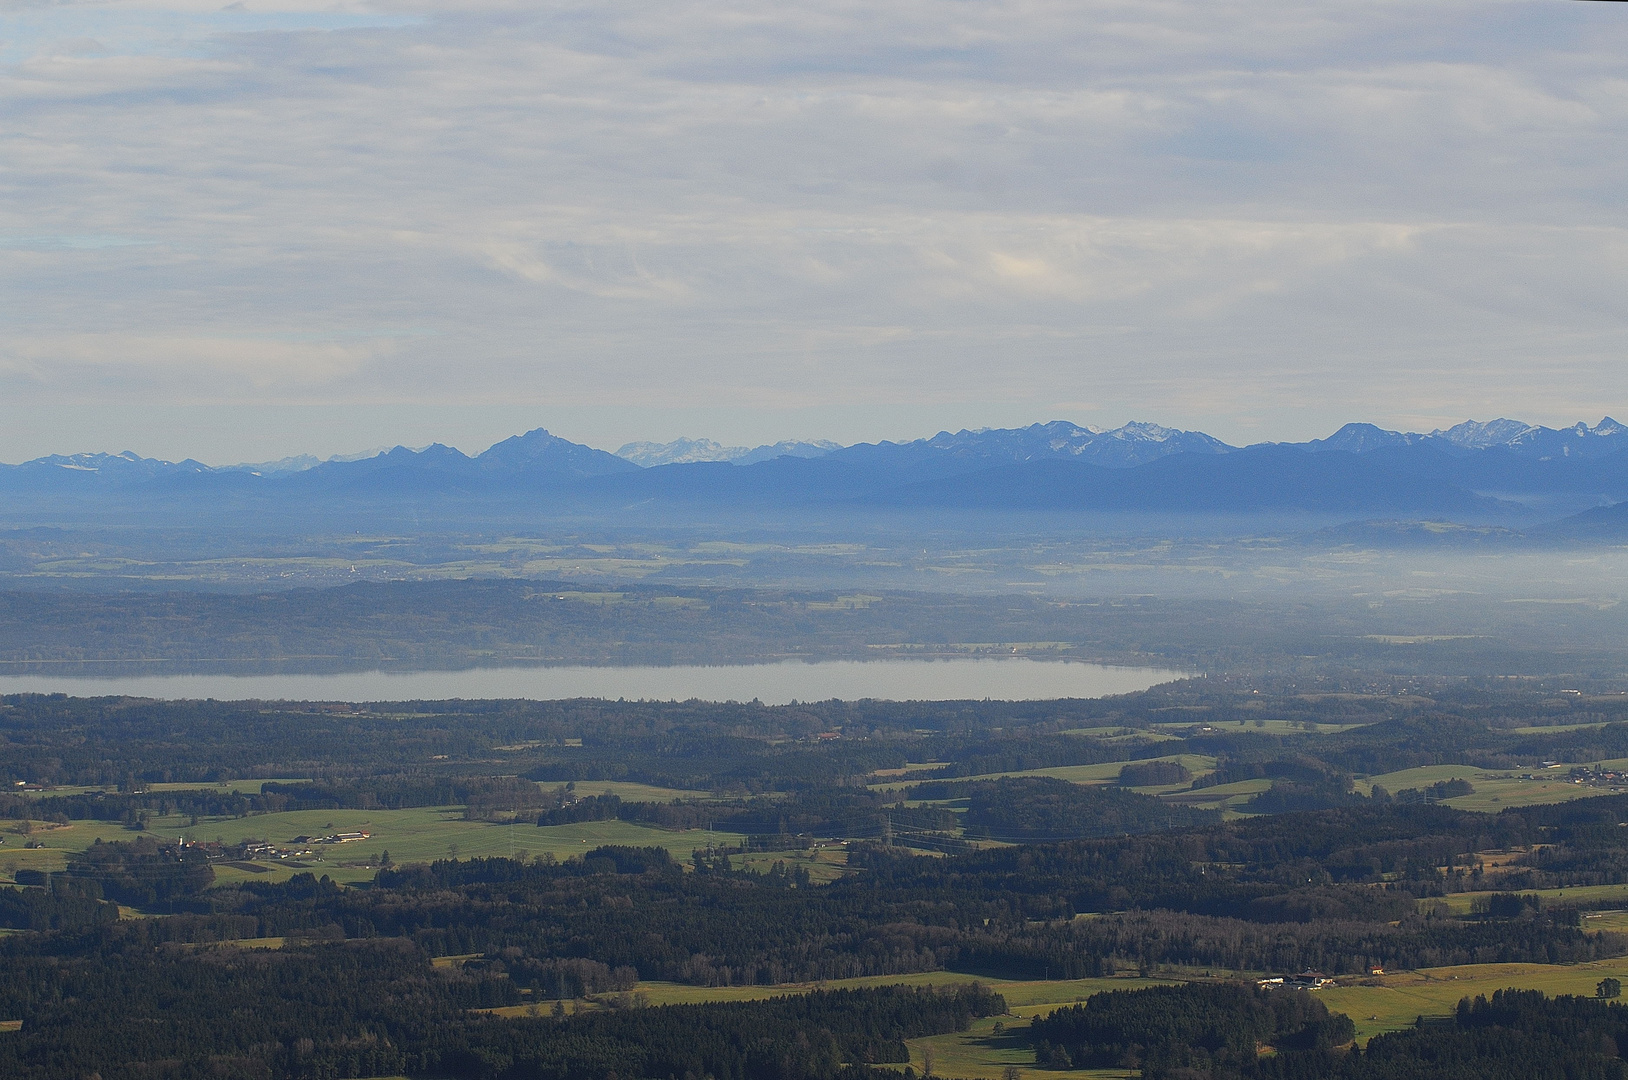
{"points": [[1583, 896], [421, 834], [1376, 1005], [1495, 790], [1103, 773], [1395, 1001]]}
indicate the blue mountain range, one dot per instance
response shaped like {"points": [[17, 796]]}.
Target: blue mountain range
{"points": [[1501, 469]]}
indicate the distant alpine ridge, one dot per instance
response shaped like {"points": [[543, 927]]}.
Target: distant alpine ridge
{"points": [[1606, 437], [1138, 443], [1497, 471]]}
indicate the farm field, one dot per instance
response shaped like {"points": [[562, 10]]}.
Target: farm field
{"points": [[975, 1053], [414, 835], [824, 864], [1221, 796], [423, 834], [427, 833], [1386, 1003], [1555, 728], [980, 1053], [1495, 790], [504, 937], [629, 792], [1110, 732], [1579, 895], [1264, 727], [248, 787], [60, 842], [1019, 994], [1601, 921], [1103, 773], [1494, 795], [1397, 1000]]}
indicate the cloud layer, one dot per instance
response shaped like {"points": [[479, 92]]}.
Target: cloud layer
{"points": [[1255, 218]]}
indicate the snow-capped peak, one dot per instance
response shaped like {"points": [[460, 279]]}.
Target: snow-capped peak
{"points": [[1476, 435]]}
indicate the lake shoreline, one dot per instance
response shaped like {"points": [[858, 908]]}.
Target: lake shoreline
{"points": [[780, 683]]}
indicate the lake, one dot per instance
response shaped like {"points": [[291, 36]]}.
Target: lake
{"points": [[1016, 679]]}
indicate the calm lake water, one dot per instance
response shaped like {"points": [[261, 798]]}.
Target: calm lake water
{"points": [[774, 684]]}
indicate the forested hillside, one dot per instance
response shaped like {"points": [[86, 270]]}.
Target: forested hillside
{"points": [[1195, 835]]}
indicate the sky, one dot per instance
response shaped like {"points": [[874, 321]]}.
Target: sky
{"points": [[237, 233]]}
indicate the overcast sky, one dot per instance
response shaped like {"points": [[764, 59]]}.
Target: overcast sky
{"points": [[283, 227]]}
